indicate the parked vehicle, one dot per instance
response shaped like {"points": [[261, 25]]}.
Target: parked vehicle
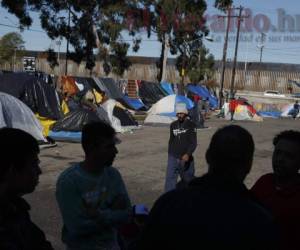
{"points": [[273, 93], [296, 95]]}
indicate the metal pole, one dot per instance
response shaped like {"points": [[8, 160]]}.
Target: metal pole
{"points": [[235, 53], [181, 89], [261, 52], [224, 59], [261, 46], [246, 60]]}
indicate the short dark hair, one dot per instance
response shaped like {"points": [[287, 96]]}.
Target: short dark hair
{"points": [[15, 146], [230, 147], [289, 135], [93, 133]]}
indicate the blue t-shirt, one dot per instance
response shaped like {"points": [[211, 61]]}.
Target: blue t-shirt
{"points": [[92, 206]]}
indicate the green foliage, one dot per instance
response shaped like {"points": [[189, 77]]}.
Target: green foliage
{"points": [[11, 44], [181, 20], [223, 4], [52, 58], [196, 61], [99, 23], [91, 20]]}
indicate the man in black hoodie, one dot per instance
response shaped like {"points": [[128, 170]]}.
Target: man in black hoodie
{"points": [[182, 144]]}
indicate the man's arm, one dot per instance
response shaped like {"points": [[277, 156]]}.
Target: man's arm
{"points": [[192, 137], [75, 216], [120, 209]]}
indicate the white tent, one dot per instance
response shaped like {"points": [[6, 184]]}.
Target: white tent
{"points": [[15, 114], [109, 106], [286, 111], [163, 112]]}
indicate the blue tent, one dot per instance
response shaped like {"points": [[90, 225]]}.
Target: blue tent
{"points": [[273, 114], [136, 103], [167, 87], [203, 92]]}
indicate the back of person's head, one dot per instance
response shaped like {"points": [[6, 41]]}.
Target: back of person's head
{"points": [[95, 133], [289, 135], [230, 152], [286, 157], [16, 146]]}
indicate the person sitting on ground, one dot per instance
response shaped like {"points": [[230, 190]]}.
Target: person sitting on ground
{"points": [[19, 175], [216, 211], [280, 191], [91, 195]]}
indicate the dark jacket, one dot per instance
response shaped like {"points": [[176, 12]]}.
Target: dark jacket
{"points": [[211, 214], [183, 138], [17, 231]]}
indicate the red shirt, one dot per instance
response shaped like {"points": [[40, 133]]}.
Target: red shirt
{"points": [[232, 105], [285, 206]]}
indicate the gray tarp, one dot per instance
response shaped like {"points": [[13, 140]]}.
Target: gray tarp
{"points": [[15, 114]]}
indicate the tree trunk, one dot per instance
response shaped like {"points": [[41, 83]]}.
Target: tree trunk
{"points": [[165, 53]]}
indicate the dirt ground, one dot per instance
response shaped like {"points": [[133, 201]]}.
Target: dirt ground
{"points": [[142, 162]]}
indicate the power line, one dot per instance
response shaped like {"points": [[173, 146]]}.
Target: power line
{"points": [[17, 27], [283, 48]]}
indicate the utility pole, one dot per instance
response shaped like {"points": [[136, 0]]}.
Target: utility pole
{"points": [[68, 40], [261, 46], [224, 57], [181, 88], [246, 60], [240, 17]]}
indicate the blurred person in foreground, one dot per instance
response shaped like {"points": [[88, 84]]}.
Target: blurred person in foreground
{"points": [[19, 175], [280, 191], [91, 195], [216, 211]]}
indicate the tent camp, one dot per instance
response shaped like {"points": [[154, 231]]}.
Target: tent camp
{"points": [[163, 112], [118, 110], [168, 87], [15, 114], [113, 91], [203, 92], [243, 111], [288, 111], [37, 94], [69, 128], [120, 119], [150, 92]]}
